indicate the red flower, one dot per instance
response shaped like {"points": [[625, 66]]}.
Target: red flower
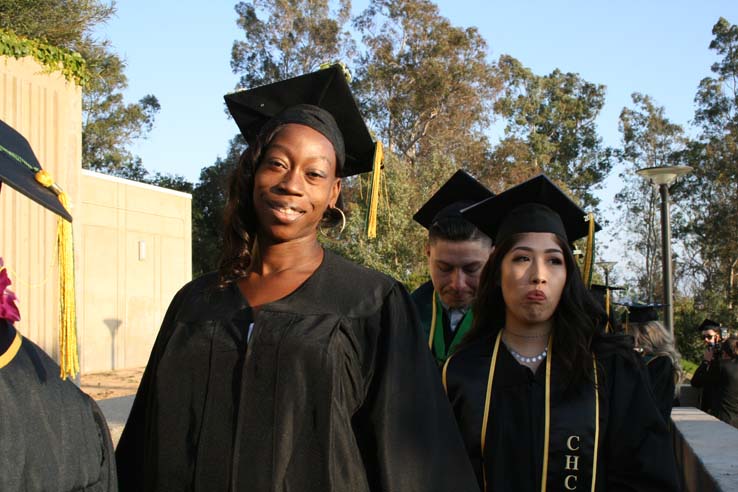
{"points": [[8, 309]]}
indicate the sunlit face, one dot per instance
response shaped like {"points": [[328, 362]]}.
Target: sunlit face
{"points": [[710, 337], [455, 267], [295, 183], [533, 275]]}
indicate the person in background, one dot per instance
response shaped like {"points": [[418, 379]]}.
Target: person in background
{"points": [[457, 251], [291, 368], [726, 400], [711, 333], [52, 435], [656, 346], [544, 399], [721, 375]]}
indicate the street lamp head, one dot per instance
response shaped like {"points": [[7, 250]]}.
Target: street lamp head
{"points": [[663, 174], [606, 265]]}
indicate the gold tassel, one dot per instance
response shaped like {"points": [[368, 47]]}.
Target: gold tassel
{"points": [[68, 357], [608, 328], [371, 222], [589, 253]]}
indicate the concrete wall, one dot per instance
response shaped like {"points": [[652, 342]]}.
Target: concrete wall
{"points": [[706, 451], [121, 295], [135, 253], [47, 110]]}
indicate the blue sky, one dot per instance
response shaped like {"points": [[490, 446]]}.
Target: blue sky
{"points": [[180, 52]]}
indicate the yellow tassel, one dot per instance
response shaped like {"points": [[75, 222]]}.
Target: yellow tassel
{"points": [[44, 178], [371, 223], [608, 328], [589, 253], [68, 358]]}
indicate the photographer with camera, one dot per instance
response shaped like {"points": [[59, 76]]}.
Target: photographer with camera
{"points": [[707, 373]]}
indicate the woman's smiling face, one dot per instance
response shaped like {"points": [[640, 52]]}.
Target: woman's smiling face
{"points": [[295, 183]]}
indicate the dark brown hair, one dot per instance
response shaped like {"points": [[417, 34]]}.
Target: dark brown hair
{"points": [[239, 221], [574, 320]]}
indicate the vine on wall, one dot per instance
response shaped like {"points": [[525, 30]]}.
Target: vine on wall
{"points": [[71, 65]]}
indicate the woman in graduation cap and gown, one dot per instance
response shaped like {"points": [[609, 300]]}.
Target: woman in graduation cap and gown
{"points": [[656, 346], [52, 435], [543, 399], [292, 368]]}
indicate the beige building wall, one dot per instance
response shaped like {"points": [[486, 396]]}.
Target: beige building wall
{"points": [[132, 241], [47, 110], [135, 253]]}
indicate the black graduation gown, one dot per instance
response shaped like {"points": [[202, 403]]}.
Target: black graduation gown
{"points": [[635, 452], [334, 391], [52, 435], [705, 378], [661, 377], [423, 299], [727, 400]]}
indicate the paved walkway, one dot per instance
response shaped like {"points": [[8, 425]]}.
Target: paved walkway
{"points": [[114, 392]]}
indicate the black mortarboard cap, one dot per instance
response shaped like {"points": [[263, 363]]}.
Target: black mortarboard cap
{"points": [[641, 313], [598, 291], [18, 168], [709, 324], [459, 192], [321, 100], [537, 205]]}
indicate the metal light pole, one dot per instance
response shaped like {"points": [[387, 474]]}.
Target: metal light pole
{"points": [[607, 268], [663, 177]]}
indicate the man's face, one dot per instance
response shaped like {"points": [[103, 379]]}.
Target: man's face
{"points": [[710, 337], [455, 267]]}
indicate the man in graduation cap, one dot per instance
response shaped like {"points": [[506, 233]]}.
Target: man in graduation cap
{"points": [[52, 435], [457, 251], [711, 333]]}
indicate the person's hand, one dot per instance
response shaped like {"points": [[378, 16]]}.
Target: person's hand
{"points": [[707, 356]]}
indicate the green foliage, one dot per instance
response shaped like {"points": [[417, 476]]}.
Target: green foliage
{"points": [[687, 316], [109, 124], [208, 202], [711, 192], [285, 38], [425, 85], [71, 65], [649, 140], [551, 128]]}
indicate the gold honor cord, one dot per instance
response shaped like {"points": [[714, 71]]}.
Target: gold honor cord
{"points": [[597, 424], [10, 354], [487, 401], [433, 322], [547, 418], [608, 328], [547, 423]]}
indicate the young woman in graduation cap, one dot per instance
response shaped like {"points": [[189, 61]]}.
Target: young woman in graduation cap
{"points": [[656, 345], [292, 369], [543, 399]]}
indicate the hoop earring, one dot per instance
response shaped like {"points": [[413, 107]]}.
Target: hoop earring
{"points": [[343, 219]]}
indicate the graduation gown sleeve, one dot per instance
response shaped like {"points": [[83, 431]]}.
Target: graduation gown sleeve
{"points": [[131, 450], [661, 377], [54, 436], [405, 427], [637, 453]]}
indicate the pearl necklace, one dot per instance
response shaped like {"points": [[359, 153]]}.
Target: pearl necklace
{"points": [[528, 360]]}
